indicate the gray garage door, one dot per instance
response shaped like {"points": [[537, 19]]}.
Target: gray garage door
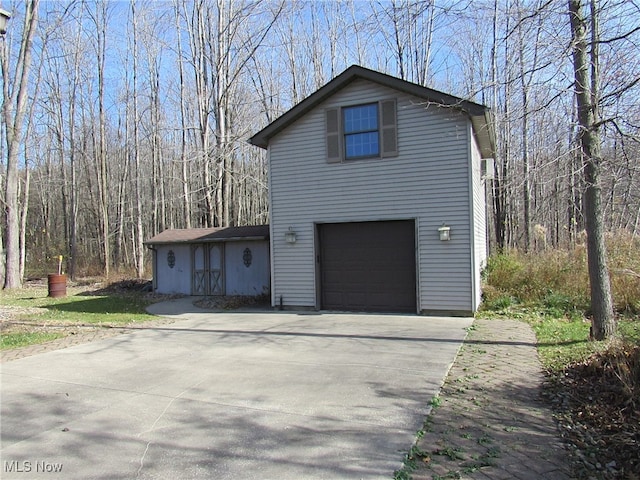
{"points": [[368, 266]]}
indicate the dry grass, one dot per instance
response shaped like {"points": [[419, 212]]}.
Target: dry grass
{"points": [[560, 277]]}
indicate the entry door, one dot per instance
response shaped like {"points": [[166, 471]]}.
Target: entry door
{"points": [[368, 266], [207, 269]]}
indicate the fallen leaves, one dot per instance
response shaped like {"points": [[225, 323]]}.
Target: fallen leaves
{"points": [[598, 405]]}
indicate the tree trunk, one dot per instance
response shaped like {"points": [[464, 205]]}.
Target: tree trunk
{"points": [[74, 204], [23, 220], [101, 150], [184, 162], [15, 107], [139, 233], [2, 260], [526, 190], [603, 324]]}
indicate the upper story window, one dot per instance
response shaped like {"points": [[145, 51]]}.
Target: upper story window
{"points": [[361, 131], [361, 136]]}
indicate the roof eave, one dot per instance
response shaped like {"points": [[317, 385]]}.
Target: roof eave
{"points": [[261, 139], [482, 128], [205, 240]]}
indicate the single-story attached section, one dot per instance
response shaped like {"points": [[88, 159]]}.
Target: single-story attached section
{"points": [[212, 261]]}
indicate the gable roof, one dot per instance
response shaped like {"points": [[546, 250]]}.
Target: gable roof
{"points": [[203, 235], [479, 114]]}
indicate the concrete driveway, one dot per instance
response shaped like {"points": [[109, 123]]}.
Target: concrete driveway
{"points": [[271, 395]]}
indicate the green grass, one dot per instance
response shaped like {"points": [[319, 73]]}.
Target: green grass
{"points": [[22, 339], [80, 308], [562, 341], [562, 333]]}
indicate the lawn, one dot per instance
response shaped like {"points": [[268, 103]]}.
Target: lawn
{"points": [[22, 339], [562, 342], [26, 313]]}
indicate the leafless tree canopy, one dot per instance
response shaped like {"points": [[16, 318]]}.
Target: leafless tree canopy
{"points": [[134, 115]]}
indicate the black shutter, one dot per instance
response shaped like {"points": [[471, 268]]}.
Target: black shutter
{"points": [[332, 116], [388, 130]]}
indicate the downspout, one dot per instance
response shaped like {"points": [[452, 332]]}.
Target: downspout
{"points": [[272, 237], [472, 227]]}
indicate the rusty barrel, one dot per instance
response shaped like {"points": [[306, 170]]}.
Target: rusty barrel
{"points": [[57, 285]]}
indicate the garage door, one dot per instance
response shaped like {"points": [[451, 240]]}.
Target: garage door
{"points": [[368, 266]]}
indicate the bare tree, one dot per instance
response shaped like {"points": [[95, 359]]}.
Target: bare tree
{"points": [[15, 89], [27, 181], [139, 232], [223, 39], [184, 161], [99, 17], [587, 94]]}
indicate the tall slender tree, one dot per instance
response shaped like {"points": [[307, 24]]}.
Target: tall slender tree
{"points": [[586, 94], [101, 146], [139, 231], [14, 110], [184, 161]]}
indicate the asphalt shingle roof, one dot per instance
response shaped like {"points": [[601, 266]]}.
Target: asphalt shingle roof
{"points": [[218, 234]]}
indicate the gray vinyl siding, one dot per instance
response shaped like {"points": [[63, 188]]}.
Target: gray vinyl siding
{"points": [[176, 279], [428, 181], [479, 222], [243, 279]]}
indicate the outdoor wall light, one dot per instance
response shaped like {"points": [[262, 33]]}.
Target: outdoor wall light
{"points": [[445, 233], [290, 236]]}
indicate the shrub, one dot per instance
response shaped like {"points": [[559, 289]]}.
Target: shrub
{"points": [[502, 302], [624, 267], [557, 280], [504, 271]]}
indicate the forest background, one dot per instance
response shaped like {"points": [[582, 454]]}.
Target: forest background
{"points": [[136, 114]]}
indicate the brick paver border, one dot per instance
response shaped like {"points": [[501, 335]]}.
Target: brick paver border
{"points": [[491, 421]]}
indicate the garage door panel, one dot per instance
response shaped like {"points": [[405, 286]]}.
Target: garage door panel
{"points": [[334, 298], [368, 266]]}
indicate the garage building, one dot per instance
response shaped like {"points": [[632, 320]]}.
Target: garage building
{"points": [[377, 198]]}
